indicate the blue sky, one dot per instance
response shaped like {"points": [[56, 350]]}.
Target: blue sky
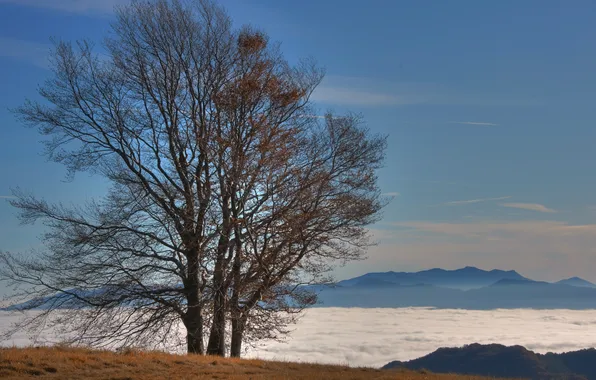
{"points": [[488, 107]]}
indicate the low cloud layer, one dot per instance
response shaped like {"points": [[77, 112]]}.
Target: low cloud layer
{"points": [[374, 337]]}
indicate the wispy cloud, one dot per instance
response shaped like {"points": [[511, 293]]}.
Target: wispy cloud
{"points": [[369, 92], [32, 52], [73, 6], [391, 194], [351, 97], [529, 206], [548, 250], [357, 91], [479, 123], [312, 116], [469, 201], [502, 229], [320, 117]]}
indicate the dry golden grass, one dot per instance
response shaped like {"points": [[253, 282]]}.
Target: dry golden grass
{"points": [[70, 363]]}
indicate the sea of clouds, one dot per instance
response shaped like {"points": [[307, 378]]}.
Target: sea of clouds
{"points": [[374, 337]]}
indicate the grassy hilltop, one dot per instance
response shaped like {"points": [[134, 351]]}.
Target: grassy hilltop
{"points": [[69, 363]]}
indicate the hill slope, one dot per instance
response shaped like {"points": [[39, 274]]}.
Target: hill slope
{"points": [[499, 360], [62, 363]]}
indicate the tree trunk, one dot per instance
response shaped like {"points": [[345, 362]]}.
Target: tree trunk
{"points": [[194, 338], [216, 345], [238, 319], [238, 325], [193, 320]]}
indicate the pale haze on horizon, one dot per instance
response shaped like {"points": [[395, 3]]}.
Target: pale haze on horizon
{"points": [[488, 109]]}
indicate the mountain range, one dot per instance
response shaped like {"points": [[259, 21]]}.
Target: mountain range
{"points": [[465, 288], [464, 278], [502, 361]]}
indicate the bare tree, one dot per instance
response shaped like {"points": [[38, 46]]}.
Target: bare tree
{"points": [[226, 194]]}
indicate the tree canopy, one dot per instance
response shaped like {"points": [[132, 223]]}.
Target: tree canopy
{"points": [[228, 193]]}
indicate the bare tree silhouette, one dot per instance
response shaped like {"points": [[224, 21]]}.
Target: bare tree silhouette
{"points": [[226, 195]]}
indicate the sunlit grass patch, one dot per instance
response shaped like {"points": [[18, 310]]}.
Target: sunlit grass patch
{"points": [[79, 363]]}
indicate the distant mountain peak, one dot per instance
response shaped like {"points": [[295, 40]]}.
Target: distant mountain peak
{"points": [[474, 269], [577, 281], [509, 281], [432, 270], [503, 271]]}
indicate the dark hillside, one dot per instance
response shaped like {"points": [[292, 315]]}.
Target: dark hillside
{"points": [[502, 361]]}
